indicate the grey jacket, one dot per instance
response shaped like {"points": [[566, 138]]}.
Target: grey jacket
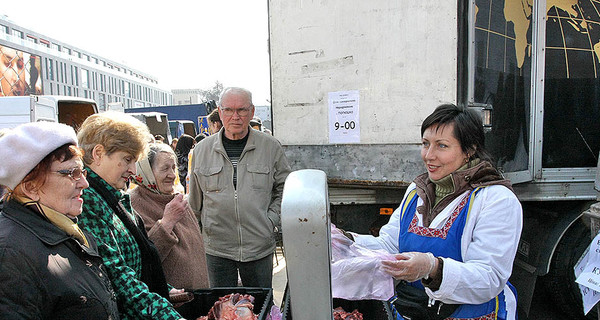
{"points": [[46, 274], [238, 224]]}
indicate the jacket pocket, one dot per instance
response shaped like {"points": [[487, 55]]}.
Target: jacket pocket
{"points": [[261, 179], [210, 178]]}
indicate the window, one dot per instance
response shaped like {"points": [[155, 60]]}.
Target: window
{"points": [[50, 69], [59, 74], [3, 29], [17, 34], [101, 100], [76, 80], [55, 47], [65, 79]]}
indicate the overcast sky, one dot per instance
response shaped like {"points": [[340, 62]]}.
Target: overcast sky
{"points": [[185, 44]]}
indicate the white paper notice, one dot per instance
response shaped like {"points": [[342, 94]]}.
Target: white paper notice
{"points": [[587, 273], [344, 126]]}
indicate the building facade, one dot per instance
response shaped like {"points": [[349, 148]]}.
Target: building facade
{"points": [[36, 64], [187, 96]]}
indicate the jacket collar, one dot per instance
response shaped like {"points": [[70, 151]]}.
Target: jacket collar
{"points": [[37, 225], [250, 144], [480, 175]]}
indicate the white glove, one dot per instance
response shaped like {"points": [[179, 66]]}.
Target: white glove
{"points": [[410, 266]]}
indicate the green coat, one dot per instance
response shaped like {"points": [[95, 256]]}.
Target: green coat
{"points": [[121, 256]]}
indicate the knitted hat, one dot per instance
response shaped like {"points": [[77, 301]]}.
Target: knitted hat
{"points": [[22, 148]]}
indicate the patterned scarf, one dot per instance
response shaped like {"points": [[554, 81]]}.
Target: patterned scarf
{"points": [[144, 176], [58, 219]]}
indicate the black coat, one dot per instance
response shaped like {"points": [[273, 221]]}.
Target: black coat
{"points": [[46, 274]]}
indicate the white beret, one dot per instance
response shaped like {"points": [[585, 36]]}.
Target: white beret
{"points": [[22, 148]]}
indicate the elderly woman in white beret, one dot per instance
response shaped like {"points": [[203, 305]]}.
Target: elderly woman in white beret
{"points": [[49, 267]]}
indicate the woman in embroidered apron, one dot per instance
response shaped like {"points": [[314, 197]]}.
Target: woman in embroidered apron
{"points": [[456, 232], [113, 142], [49, 267]]}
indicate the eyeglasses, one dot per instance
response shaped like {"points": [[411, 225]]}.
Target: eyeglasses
{"points": [[242, 112], [75, 173]]}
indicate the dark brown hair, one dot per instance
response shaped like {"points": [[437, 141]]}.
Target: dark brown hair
{"points": [[468, 128]]}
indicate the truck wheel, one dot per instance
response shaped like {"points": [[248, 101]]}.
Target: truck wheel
{"points": [[560, 280]]}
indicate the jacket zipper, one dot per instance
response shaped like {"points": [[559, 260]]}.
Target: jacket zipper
{"points": [[235, 203]]}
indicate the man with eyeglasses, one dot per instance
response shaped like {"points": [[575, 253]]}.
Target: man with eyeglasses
{"points": [[236, 184]]}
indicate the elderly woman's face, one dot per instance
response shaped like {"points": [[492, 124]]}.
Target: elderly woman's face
{"points": [[164, 170], [116, 168], [61, 192], [441, 151]]}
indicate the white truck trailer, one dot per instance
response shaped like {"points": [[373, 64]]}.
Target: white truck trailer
{"points": [[22, 109], [353, 80]]}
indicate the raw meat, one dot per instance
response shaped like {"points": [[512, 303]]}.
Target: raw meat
{"points": [[233, 306], [340, 314]]}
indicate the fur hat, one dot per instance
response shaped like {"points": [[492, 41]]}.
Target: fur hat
{"points": [[22, 148]]}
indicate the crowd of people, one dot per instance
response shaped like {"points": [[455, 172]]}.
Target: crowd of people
{"points": [[112, 222]]}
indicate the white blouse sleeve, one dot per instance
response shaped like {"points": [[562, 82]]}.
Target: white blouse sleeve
{"points": [[388, 235], [489, 244]]}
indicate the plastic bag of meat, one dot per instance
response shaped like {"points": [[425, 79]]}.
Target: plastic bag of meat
{"points": [[233, 306], [275, 313], [340, 314], [356, 272]]}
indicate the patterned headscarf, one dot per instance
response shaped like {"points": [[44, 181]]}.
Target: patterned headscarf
{"points": [[145, 176]]}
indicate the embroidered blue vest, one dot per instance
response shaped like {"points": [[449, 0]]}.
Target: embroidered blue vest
{"points": [[445, 242]]}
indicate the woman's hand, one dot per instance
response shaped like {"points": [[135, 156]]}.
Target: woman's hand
{"points": [[410, 266], [178, 297], [174, 211]]}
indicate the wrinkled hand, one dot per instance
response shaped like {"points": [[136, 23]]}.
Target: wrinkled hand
{"points": [[174, 211], [410, 266], [174, 292]]}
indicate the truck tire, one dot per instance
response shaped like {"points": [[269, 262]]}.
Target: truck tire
{"points": [[560, 280]]}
